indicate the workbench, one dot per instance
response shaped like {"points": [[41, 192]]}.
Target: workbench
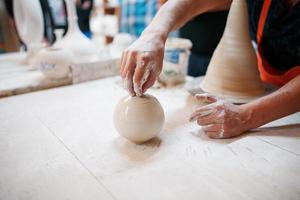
{"points": [[61, 144]]}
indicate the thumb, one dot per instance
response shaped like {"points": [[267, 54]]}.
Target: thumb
{"points": [[206, 98]]}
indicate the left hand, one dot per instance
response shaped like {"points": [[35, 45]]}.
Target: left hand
{"points": [[221, 119]]}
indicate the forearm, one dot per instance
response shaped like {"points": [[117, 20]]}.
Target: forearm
{"points": [[283, 102], [174, 13]]}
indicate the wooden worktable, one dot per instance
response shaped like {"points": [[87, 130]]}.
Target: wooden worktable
{"points": [[61, 144]]}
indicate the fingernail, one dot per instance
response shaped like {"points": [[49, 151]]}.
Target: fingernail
{"points": [[131, 94]]}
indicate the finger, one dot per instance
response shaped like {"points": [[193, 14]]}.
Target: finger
{"points": [[141, 73], [214, 130], [150, 80], [198, 114], [202, 111], [208, 119], [139, 88], [128, 73], [130, 64], [129, 83], [206, 98], [212, 134], [140, 69], [123, 61]]}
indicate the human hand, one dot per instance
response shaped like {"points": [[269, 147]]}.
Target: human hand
{"points": [[141, 63], [221, 119]]}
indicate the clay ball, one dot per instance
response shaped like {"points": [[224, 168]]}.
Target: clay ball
{"points": [[139, 118]]}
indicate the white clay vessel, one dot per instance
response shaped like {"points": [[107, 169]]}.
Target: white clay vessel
{"points": [[233, 69], [30, 25], [82, 47], [55, 63], [139, 119]]}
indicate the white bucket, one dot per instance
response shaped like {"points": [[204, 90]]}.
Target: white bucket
{"points": [[176, 60]]}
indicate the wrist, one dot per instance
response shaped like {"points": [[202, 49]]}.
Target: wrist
{"points": [[155, 34], [247, 116]]}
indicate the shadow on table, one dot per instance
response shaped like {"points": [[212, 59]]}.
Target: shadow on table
{"points": [[201, 135], [144, 151], [181, 116], [138, 152], [290, 130]]}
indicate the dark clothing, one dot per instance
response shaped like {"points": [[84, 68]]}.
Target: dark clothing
{"points": [[281, 36], [198, 64], [205, 32], [84, 16], [9, 7], [48, 21]]}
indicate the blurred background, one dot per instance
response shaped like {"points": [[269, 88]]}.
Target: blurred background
{"points": [[104, 20], [52, 43]]}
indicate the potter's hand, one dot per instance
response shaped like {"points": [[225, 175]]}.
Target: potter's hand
{"points": [[220, 119], [141, 63]]}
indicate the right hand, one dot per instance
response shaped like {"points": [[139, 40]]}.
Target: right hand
{"points": [[221, 119], [141, 63]]}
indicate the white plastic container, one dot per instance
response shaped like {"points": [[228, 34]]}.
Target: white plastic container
{"points": [[176, 60]]}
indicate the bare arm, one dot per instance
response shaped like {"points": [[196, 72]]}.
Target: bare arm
{"points": [[141, 63], [228, 120], [175, 13], [279, 104]]}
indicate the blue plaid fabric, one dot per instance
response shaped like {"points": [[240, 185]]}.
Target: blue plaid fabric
{"points": [[136, 15]]}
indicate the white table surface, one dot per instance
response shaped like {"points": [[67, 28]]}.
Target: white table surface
{"points": [[61, 144]]}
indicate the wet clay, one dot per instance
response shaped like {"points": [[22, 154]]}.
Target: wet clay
{"points": [[233, 68], [139, 119]]}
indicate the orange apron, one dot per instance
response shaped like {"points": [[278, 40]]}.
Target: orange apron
{"points": [[267, 72]]}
